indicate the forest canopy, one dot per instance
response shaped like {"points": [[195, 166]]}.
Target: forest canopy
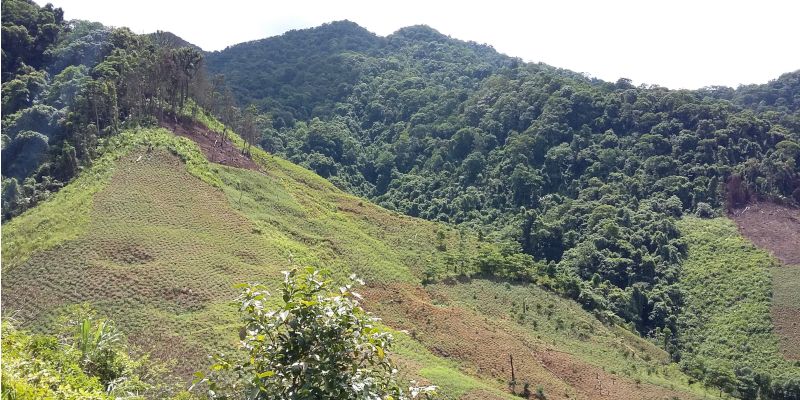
{"points": [[586, 176]]}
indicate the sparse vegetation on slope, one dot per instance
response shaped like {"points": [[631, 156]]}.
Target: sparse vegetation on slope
{"points": [[726, 330], [776, 229], [68, 215]]}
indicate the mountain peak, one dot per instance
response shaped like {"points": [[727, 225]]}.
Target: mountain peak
{"points": [[420, 32]]}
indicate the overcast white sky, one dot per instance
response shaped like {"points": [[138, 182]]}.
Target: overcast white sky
{"points": [[674, 43]]}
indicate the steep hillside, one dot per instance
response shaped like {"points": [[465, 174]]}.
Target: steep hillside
{"points": [[777, 229], [154, 236], [726, 322], [587, 176]]}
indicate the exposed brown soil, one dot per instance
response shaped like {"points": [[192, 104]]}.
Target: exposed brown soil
{"points": [[771, 227], [777, 229], [484, 347], [787, 326], [215, 149]]}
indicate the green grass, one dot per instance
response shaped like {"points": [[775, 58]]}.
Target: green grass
{"points": [[786, 286], [331, 229], [66, 215], [727, 282], [786, 308]]}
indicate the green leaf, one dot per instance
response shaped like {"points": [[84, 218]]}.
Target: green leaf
{"points": [[198, 377], [217, 367], [266, 374]]}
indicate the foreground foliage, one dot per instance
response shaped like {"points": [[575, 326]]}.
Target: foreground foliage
{"points": [[88, 360], [316, 344]]}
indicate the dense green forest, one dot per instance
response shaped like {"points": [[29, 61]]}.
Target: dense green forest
{"points": [[586, 176], [579, 181]]}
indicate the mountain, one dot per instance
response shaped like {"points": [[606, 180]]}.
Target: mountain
{"points": [[584, 174], [522, 229]]}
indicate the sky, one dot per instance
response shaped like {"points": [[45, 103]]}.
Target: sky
{"points": [[672, 43]]}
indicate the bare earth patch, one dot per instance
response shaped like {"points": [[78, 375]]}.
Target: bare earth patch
{"points": [[215, 149], [772, 227], [777, 229]]}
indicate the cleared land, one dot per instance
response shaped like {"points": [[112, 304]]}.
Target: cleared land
{"points": [[728, 286], [777, 229], [210, 142], [772, 227], [554, 343]]}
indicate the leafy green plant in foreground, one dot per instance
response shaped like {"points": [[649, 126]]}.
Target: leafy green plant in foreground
{"points": [[318, 343], [88, 360]]}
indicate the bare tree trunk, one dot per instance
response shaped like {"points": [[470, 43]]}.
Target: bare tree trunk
{"points": [[513, 377]]}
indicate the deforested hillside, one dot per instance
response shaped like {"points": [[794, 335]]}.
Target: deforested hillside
{"points": [[726, 320], [776, 229], [154, 237]]}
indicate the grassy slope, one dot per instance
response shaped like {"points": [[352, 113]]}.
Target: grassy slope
{"points": [[158, 250], [66, 215], [728, 293]]}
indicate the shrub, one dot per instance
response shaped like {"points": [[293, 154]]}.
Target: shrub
{"points": [[704, 210], [317, 344]]}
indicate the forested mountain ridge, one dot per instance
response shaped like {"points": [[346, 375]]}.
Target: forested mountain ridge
{"points": [[587, 176], [306, 72], [778, 95]]}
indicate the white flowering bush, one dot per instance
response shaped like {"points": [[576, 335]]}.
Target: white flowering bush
{"points": [[317, 344]]}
